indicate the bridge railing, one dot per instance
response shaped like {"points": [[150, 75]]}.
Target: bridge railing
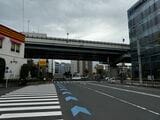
{"points": [[78, 42]]}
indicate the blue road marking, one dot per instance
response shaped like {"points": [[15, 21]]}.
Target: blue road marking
{"points": [[71, 98], [76, 109], [63, 89], [60, 86], [64, 93]]}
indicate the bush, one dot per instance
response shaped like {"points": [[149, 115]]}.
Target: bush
{"points": [[24, 71]]}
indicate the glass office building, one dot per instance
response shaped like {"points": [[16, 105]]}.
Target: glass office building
{"points": [[144, 27]]}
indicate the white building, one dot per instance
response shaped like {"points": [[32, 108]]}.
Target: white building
{"points": [[80, 67], [11, 53], [51, 66], [74, 67]]}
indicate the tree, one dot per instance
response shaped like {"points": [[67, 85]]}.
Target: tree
{"points": [[100, 72], [67, 74], [24, 72], [86, 72], [34, 71]]}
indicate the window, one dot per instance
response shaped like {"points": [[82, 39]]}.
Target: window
{"points": [[17, 48], [1, 43], [13, 45]]}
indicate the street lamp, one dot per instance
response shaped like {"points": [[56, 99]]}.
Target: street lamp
{"points": [[139, 61], [23, 15], [67, 35], [28, 25]]}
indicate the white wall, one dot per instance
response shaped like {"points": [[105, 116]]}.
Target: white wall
{"points": [[73, 66], [10, 56], [51, 66]]}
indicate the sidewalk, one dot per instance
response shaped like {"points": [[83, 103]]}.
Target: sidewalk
{"points": [[144, 84], [14, 86], [7, 90]]}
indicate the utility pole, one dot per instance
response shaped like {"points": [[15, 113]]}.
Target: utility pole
{"points": [[139, 61], [28, 25], [23, 15]]}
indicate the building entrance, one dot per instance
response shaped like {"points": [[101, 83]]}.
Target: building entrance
{"points": [[2, 68]]}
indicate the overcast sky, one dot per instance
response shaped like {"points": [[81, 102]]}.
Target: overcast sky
{"points": [[97, 20]]}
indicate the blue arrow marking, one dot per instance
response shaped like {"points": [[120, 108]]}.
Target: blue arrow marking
{"points": [[63, 89], [71, 98], [59, 85], [76, 109], [64, 93]]}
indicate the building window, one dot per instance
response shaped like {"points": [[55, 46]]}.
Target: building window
{"points": [[1, 42], [13, 46], [17, 48]]}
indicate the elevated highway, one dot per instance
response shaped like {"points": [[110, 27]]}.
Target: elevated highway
{"points": [[73, 49]]}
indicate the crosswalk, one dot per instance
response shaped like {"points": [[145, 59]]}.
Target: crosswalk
{"points": [[67, 82], [34, 101], [72, 82]]}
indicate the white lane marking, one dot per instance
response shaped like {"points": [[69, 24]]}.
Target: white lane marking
{"points": [[35, 103], [7, 98], [22, 94], [124, 101], [5, 101], [35, 114], [132, 91], [31, 93], [30, 108]]}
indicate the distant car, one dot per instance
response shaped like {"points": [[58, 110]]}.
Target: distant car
{"points": [[112, 80], [107, 78], [76, 78]]}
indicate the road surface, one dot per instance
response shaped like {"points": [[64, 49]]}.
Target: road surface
{"points": [[81, 101]]}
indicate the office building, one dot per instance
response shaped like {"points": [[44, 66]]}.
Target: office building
{"points": [[144, 34]]}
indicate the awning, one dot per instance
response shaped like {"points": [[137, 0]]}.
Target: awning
{"points": [[2, 37], [15, 41]]}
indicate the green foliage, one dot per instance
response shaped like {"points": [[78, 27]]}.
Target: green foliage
{"points": [[67, 74], [100, 72], [24, 71], [86, 72], [34, 71]]}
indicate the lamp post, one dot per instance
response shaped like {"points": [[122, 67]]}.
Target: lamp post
{"points": [[139, 61], [67, 35], [28, 25], [23, 15]]}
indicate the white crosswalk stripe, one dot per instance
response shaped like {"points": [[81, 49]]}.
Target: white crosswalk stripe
{"points": [[25, 100], [7, 98], [42, 100], [36, 103], [35, 114]]}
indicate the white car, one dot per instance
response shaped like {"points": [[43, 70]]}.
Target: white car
{"points": [[76, 78], [107, 78], [112, 80]]}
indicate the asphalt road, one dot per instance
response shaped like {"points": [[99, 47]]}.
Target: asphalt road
{"points": [[112, 102], [81, 101]]}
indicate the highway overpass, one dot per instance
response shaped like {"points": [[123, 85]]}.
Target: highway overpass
{"points": [[74, 49]]}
